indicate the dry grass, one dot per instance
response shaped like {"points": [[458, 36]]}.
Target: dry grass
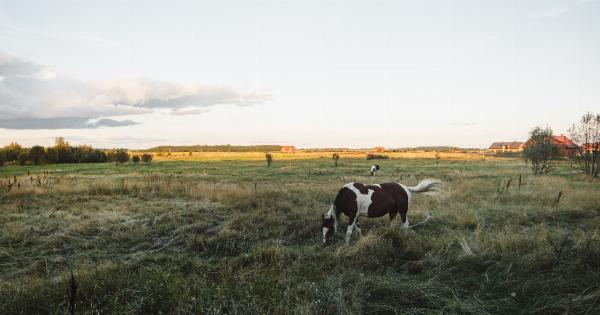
{"points": [[200, 237], [308, 154]]}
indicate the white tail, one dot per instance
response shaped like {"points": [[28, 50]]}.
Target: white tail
{"points": [[427, 186]]}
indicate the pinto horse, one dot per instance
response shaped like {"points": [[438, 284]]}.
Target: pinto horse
{"points": [[373, 201]]}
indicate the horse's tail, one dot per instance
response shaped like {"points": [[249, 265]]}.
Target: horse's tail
{"points": [[428, 186]]}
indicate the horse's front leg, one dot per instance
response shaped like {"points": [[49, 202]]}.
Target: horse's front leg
{"points": [[351, 225]]}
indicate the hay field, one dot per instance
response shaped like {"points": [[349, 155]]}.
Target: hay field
{"points": [[312, 154], [230, 235]]}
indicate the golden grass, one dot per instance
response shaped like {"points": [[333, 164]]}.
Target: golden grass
{"points": [[308, 154]]}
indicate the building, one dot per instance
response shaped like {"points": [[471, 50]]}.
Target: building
{"points": [[592, 147], [288, 149], [567, 147], [499, 147]]}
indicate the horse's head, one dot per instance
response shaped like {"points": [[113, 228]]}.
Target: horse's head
{"points": [[328, 226]]}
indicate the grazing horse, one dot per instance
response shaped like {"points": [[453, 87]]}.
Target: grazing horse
{"points": [[356, 200], [375, 169]]}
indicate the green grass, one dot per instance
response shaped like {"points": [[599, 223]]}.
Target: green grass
{"points": [[239, 237]]}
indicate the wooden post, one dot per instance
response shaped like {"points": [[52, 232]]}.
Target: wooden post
{"points": [[519, 181]]}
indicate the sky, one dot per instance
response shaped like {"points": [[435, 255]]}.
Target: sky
{"points": [[355, 74]]}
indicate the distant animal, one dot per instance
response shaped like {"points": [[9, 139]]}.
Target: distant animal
{"points": [[358, 200], [375, 169]]}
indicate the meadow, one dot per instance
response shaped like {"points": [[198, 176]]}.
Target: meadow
{"points": [[212, 234]]}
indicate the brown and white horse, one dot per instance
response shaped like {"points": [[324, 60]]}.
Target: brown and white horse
{"points": [[372, 201]]}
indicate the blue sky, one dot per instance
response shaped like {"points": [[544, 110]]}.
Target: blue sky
{"points": [[308, 73]]}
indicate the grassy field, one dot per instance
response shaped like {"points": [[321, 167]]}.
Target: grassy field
{"points": [[230, 235]]}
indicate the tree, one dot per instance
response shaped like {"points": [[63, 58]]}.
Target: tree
{"points": [[135, 159], [586, 133], [147, 158], [63, 151], [269, 159], [37, 154], [335, 158], [2, 158], [12, 151], [23, 157], [540, 150]]}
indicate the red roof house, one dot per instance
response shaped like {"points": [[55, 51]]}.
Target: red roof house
{"points": [[568, 148], [288, 149]]}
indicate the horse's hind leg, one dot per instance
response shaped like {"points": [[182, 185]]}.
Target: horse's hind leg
{"points": [[404, 217]]}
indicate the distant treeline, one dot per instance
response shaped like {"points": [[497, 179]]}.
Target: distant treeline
{"points": [[61, 152], [214, 148]]}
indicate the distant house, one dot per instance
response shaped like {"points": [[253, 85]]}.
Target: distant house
{"points": [[288, 149], [499, 147], [568, 148], [592, 147]]}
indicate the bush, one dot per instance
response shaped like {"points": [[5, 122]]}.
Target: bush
{"points": [[269, 159], [147, 158], [335, 158], [377, 157], [118, 156], [135, 159]]}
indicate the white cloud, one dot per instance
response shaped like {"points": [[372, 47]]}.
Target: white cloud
{"points": [[35, 97]]}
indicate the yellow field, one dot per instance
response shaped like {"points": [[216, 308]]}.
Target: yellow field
{"points": [[309, 154]]}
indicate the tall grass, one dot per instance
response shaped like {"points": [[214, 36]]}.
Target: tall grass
{"points": [[236, 237]]}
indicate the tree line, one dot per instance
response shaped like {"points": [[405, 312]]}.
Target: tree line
{"points": [[63, 152]]}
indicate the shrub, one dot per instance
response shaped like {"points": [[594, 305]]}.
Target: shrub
{"points": [[269, 159], [377, 157], [147, 158], [135, 159], [335, 158], [118, 155]]}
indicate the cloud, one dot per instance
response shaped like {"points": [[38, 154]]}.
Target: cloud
{"points": [[63, 123], [35, 97]]}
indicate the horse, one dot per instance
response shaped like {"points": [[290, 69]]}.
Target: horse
{"points": [[375, 169], [373, 201]]}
